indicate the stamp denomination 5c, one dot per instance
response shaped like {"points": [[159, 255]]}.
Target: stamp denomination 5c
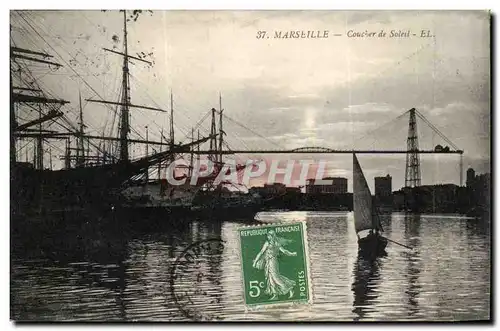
{"points": [[275, 264]]}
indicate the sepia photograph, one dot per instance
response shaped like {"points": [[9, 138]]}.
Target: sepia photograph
{"points": [[250, 165]]}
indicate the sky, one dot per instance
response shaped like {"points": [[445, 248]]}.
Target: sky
{"points": [[336, 92]]}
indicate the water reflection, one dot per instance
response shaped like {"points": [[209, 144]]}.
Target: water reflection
{"points": [[412, 236], [364, 287]]}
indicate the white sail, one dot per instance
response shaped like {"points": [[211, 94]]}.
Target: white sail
{"points": [[362, 199]]}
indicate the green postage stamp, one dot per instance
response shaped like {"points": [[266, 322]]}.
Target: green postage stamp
{"points": [[275, 265]]}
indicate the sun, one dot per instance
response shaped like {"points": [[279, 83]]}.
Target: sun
{"points": [[310, 118]]}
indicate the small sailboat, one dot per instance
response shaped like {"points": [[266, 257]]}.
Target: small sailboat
{"points": [[366, 219]]}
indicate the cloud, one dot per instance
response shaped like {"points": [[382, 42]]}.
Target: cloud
{"points": [[304, 96]]}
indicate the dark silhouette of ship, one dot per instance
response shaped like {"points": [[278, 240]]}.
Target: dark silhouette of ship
{"points": [[86, 181]]}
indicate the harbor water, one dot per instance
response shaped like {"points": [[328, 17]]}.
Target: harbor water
{"points": [[88, 275]]}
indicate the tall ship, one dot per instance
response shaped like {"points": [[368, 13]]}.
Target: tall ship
{"points": [[85, 181], [150, 194], [223, 199]]}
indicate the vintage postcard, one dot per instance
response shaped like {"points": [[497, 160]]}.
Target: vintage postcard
{"points": [[224, 165]]}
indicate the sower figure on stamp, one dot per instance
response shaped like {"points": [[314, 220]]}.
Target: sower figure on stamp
{"points": [[267, 259]]}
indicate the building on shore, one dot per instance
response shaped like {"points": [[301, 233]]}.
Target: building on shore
{"points": [[383, 186], [478, 188], [440, 198], [337, 185], [383, 190], [471, 176], [269, 189]]}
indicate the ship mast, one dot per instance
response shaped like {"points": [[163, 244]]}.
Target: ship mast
{"points": [[191, 155], [67, 157], [172, 141], [20, 98], [159, 163], [13, 122], [198, 147], [125, 102], [124, 127], [146, 173], [221, 132], [80, 151], [213, 139], [39, 141], [172, 136]]}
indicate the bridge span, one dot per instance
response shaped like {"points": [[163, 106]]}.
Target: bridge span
{"points": [[322, 150]]}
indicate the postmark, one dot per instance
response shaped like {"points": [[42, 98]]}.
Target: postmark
{"points": [[275, 264], [188, 280]]}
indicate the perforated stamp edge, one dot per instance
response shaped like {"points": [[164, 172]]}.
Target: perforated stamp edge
{"points": [[256, 307]]}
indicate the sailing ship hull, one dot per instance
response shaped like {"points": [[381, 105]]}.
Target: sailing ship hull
{"points": [[157, 200], [213, 205], [226, 213], [159, 194], [49, 191]]}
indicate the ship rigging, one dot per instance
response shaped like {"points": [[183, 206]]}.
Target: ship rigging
{"points": [[85, 179]]}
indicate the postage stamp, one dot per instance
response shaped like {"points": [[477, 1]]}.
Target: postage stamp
{"points": [[275, 264]]}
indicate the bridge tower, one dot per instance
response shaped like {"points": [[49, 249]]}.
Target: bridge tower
{"points": [[412, 175]]}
